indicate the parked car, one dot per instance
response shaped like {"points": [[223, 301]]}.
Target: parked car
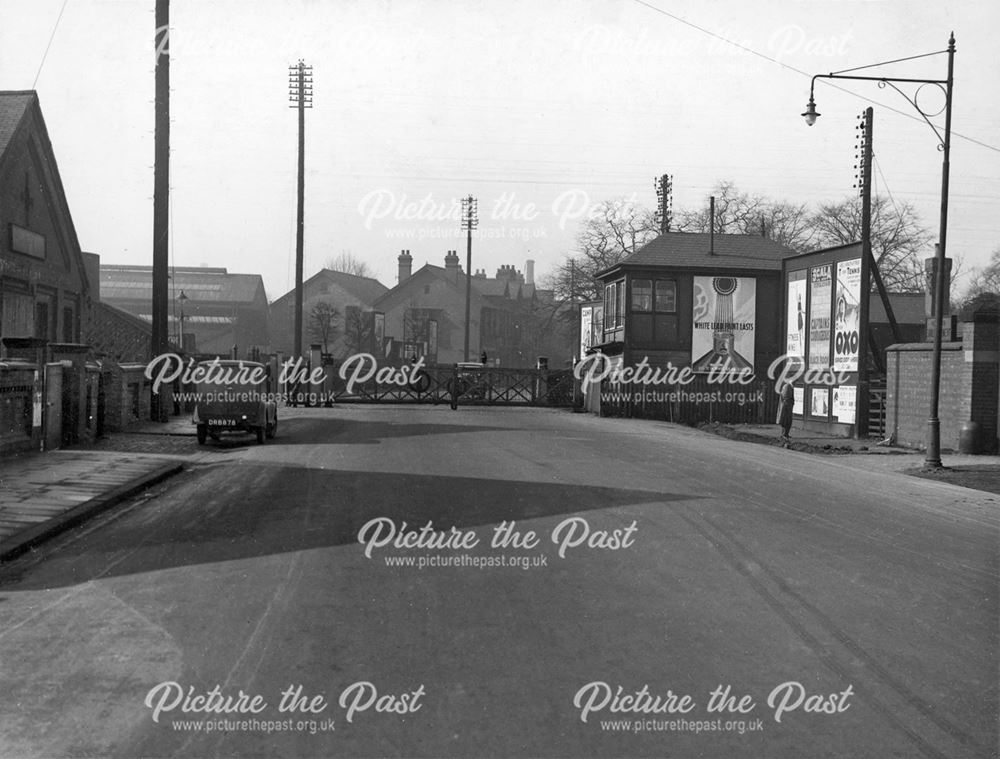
{"points": [[237, 398]]}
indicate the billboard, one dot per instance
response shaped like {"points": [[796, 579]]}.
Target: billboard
{"points": [[795, 318], [724, 318], [820, 294], [846, 335]]}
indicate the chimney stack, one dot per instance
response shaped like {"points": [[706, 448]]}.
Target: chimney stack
{"points": [[529, 272], [405, 266], [451, 262]]}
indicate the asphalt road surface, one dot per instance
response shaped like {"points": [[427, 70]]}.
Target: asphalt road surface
{"points": [[586, 588]]}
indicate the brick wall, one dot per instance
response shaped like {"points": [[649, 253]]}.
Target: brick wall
{"points": [[970, 388], [126, 396]]}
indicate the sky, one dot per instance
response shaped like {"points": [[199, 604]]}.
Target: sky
{"points": [[540, 110]]}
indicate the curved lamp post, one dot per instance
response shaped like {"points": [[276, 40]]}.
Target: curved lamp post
{"points": [[933, 457]]}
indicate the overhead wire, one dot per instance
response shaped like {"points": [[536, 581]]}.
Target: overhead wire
{"points": [[799, 71], [51, 37]]}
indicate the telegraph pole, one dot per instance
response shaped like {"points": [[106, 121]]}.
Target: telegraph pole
{"points": [[470, 220], [861, 402], [161, 195], [300, 96], [664, 185]]}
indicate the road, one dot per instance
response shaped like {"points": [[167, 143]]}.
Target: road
{"points": [[834, 611]]}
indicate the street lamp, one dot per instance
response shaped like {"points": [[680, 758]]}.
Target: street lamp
{"points": [[933, 457]]}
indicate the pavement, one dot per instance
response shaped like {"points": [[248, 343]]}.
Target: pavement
{"points": [[44, 494]]}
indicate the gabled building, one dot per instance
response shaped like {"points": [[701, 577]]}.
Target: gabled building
{"points": [[424, 314], [211, 312], [44, 288], [349, 295]]}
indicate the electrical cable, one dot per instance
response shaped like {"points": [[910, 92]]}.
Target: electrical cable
{"points": [[51, 37], [803, 73]]}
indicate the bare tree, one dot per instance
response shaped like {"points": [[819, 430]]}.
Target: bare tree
{"points": [[898, 239], [987, 278], [347, 263], [738, 212], [616, 229], [322, 323], [359, 328], [984, 284]]}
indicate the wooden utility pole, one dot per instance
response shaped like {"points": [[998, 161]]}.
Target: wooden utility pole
{"points": [[300, 96], [867, 261], [470, 220], [161, 195]]}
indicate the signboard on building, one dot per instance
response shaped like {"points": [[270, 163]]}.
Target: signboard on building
{"points": [[25, 241], [846, 334], [724, 318], [820, 294], [795, 343]]}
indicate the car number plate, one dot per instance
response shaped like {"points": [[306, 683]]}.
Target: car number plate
{"points": [[222, 422]]}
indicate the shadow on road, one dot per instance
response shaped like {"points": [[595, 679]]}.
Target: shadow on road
{"points": [[219, 513]]}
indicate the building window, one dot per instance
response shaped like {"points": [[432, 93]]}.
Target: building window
{"points": [[69, 333], [642, 295], [666, 296], [42, 321], [614, 305]]}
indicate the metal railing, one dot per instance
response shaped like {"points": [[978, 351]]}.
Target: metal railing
{"points": [[488, 386]]}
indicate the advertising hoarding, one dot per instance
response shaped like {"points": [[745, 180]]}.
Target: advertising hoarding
{"points": [[846, 335], [724, 319]]}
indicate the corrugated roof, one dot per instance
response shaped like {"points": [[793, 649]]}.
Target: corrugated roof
{"points": [[210, 285], [691, 250], [13, 105]]}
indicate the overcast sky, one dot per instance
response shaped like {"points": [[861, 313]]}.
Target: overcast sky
{"points": [[539, 109]]}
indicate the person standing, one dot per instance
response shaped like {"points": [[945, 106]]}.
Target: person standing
{"points": [[787, 400]]}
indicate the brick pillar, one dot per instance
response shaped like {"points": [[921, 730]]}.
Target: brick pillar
{"points": [[981, 343]]}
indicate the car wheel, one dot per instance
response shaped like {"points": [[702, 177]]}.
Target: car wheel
{"points": [[202, 434]]}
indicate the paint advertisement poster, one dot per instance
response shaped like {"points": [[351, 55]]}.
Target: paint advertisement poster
{"points": [[795, 317], [845, 399], [798, 400], [820, 293], [724, 319], [846, 322]]}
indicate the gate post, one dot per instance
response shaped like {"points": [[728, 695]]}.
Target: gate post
{"points": [[542, 393]]}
